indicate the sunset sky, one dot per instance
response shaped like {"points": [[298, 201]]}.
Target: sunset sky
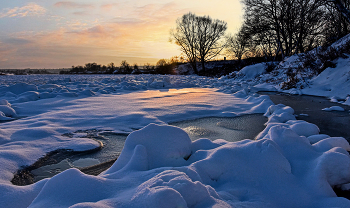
{"points": [[59, 34]]}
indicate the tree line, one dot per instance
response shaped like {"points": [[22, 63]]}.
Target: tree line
{"points": [[272, 29], [286, 27], [163, 66]]}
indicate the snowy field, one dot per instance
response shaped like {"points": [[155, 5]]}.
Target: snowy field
{"points": [[288, 165]]}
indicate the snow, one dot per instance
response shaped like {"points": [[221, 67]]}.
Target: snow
{"points": [[333, 83], [151, 144], [160, 166], [250, 72], [334, 108], [270, 172]]}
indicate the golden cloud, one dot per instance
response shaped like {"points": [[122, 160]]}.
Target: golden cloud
{"points": [[31, 9], [73, 5], [142, 36]]}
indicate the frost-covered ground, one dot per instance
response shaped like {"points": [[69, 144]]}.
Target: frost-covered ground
{"points": [[333, 83], [289, 165], [296, 74]]}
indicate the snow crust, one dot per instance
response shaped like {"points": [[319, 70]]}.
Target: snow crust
{"points": [[159, 165]]}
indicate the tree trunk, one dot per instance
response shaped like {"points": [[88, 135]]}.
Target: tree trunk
{"points": [[203, 65], [194, 67]]}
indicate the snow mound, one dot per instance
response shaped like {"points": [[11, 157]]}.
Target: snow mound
{"points": [[250, 72], [19, 88], [5, 102], [270, 172], [334, 108], [154, 140], [281, 115], [6, 111]]}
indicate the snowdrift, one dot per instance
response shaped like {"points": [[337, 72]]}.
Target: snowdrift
{"points": [[161, 167]]}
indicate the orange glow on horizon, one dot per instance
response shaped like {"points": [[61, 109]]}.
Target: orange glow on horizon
{"points": [[104, 32]]}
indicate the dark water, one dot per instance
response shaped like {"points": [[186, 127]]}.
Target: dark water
{"points": [[112, 146], [332, 123], [308, 108], [230, 129]]}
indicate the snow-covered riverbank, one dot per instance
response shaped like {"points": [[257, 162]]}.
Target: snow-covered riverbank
{"points": [[298, 74], [159, 165]]}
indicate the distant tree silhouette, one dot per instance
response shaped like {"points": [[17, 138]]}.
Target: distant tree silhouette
{"points": [[239, 44], [199, 38], [110, 68], [136, 69], [209, 35], [125, 67], [148, 68], [185, 36], [92, 67]]}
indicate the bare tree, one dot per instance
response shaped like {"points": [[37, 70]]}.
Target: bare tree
{"points": [[209, 34], [289, 26], [342, 9], [185, 36], [199, 38], [239, 44], [337, 25]]}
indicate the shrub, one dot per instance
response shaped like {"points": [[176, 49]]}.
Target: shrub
{"points": [[291, 83], [270, 66]]}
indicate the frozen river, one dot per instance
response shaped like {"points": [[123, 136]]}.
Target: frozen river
{"points": [[160, 163], [229, 129]]}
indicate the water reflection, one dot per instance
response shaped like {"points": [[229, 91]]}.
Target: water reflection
{"points": [[229, 129]]}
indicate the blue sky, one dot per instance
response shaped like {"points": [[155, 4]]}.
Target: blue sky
{"points": [[57, 34]]}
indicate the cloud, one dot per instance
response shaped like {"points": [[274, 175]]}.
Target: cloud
{"points": [[5, 52], [73, 5], [159, 12], [126, 20], [82, 13], [31, 9], [109, 7], [138, 35], [16, 41]]}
